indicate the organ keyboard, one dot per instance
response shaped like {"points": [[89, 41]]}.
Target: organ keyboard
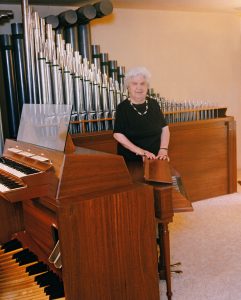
{"points": [[24, 173]]}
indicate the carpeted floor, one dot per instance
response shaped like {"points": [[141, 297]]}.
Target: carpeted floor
{"points": [[208, 244]]}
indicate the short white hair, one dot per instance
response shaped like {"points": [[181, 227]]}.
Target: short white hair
{"points": [[136, 72]]}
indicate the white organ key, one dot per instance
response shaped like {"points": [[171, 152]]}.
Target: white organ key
{"points": [[3, 188], [11, 170]]}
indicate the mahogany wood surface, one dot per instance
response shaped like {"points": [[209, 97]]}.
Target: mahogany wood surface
{"points": [[38, 222], [204, 152], [88, 172], [106, 225], [205, 155], [157, 170], [11, 216], [112, 250]]}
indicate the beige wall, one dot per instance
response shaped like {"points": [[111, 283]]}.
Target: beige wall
{"points": [[192, 56]]}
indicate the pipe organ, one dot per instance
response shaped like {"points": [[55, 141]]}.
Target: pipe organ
{"points": [[63, 67], [51, 61]]}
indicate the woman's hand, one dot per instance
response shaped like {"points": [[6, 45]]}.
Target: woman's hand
{"points": [[163, 154], [148, 155]]}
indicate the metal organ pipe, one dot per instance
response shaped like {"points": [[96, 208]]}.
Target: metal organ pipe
{"points": [[85, 15], [96, 56], [57, 73], [68, 20], [20, 70], [9, 84], [84, 41], [121, 77], [104, 63], [26, 24], [113, 69], [62, 74]]}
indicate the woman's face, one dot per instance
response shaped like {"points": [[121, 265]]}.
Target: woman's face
{"points": [[138, 89]]}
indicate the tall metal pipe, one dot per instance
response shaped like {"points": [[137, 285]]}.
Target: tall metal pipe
{"points": [[71, 36], [113, 69], [84, 38], [27, 51], [9, 84], [33, 57], [85, 14], [104, 63], [20, 68], [96, 56], [121, 77], [67, 19]]}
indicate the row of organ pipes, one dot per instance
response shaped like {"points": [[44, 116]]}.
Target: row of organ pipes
{"points": [[51, 61]]}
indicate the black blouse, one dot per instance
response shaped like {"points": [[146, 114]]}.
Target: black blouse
{"points": [[142, 130]]}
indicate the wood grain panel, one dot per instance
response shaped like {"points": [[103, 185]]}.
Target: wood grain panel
{"points": [[200, 153], [89, 173], [11, 219], [38, 220], [203, 152], [112, 253]]}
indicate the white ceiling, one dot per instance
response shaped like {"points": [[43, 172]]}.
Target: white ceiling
{"points": [[230, 6]]}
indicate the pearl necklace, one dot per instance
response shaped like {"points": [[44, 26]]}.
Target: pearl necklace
{"points": [[139, 113]]}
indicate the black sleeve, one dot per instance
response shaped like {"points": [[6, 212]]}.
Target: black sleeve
{"points": [[163, 120], [119, 126]]}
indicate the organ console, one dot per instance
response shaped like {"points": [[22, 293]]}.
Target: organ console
{"points": [[89, 201]]}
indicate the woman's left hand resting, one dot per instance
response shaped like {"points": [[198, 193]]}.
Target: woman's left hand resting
{"points": [[162, 154]]}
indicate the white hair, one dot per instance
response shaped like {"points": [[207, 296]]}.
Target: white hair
{"points": [[136, 72]]}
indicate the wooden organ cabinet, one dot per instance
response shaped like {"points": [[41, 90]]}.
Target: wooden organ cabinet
{"points": [[84, 201], [105, 223], [203, 152]]}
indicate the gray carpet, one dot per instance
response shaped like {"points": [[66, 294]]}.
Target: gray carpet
{"points": [[208, 244]]}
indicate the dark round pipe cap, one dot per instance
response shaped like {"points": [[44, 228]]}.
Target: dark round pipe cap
{"points": [[103, 8], [52, 20], [86, 13], [68, 17]]}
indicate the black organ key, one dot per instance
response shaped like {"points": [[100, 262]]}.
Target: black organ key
{"points": [[11, 245], [25, 257], [51, 284], [11, 184], [37, 268], [17, 166]]}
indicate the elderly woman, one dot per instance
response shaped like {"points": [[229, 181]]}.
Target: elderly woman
{"points": [[140, 128]]}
